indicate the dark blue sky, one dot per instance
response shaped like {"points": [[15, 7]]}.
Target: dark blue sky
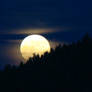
{"points": [[70, 19], [45, 13], [73, 14]]}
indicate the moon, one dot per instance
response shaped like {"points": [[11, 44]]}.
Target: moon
{"points": [[34, 44]]}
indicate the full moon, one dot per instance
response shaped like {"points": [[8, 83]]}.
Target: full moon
{"points": [[34, 44]]}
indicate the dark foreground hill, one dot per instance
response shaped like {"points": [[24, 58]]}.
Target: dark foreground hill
{"points": [[65, 69]]}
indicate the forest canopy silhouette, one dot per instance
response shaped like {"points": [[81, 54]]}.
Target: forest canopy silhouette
{"points": [[67, 68], [75, 53]]}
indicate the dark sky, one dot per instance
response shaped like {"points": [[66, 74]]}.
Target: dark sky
{"points": [[57, 20]]}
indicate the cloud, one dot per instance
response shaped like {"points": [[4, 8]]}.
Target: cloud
{"points": [[10, 51], [20, 34], [28, 31]]}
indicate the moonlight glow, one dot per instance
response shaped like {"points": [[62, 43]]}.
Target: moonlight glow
{"points": [[34, 44]]}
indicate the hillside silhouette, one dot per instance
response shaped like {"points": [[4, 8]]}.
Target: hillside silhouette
{"points": [[68, 68]]}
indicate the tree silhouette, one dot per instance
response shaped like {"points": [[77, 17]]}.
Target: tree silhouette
{"points": [[68, 68]]}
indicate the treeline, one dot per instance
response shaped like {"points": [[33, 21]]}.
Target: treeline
{"points": [[68, 68]]}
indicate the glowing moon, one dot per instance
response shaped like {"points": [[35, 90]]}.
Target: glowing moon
{"points": [[34, 44]]}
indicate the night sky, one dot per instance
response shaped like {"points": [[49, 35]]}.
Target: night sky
{"points": [[60, 21]]}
